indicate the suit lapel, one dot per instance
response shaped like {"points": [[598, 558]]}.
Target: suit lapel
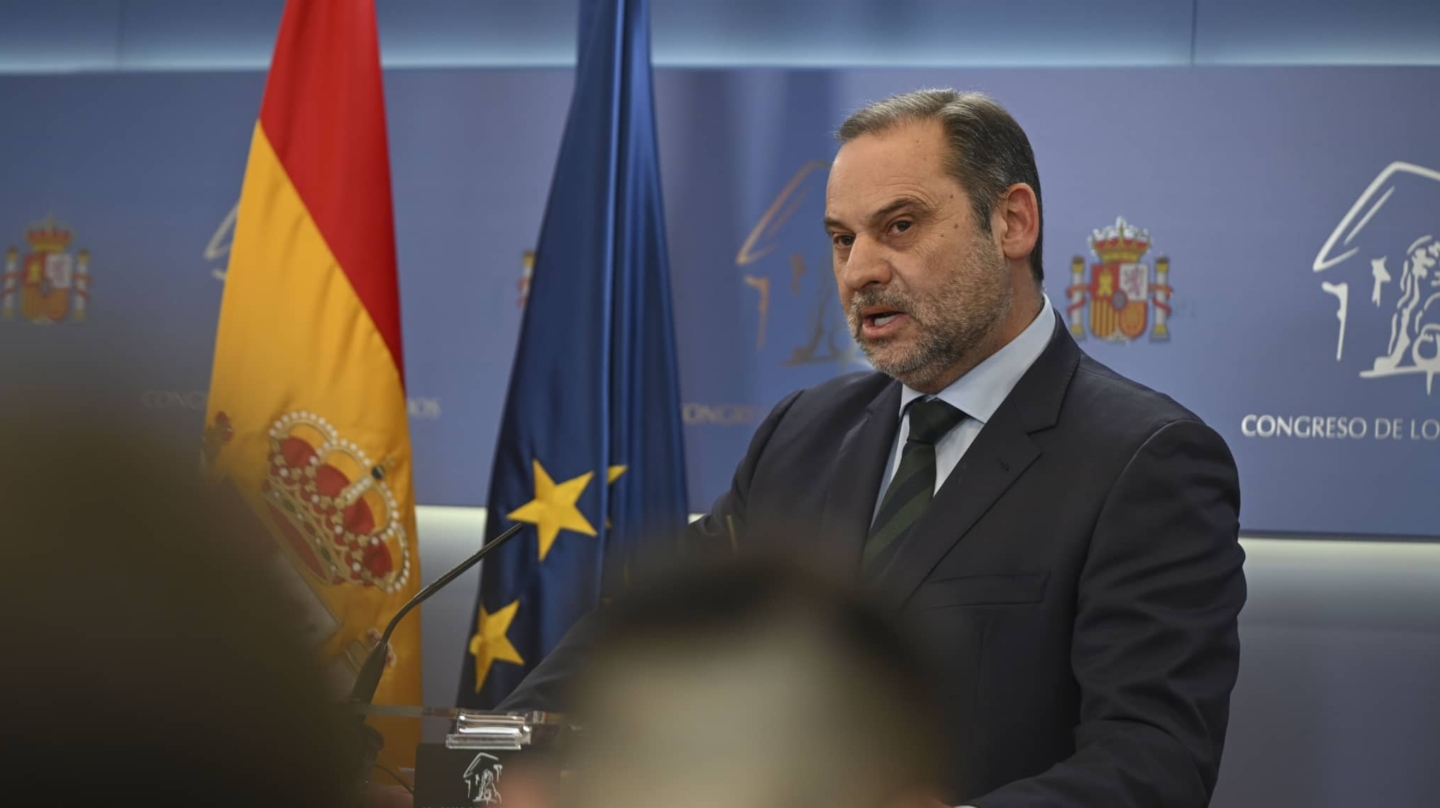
{"points": [[1000, 454], [857, 474]]}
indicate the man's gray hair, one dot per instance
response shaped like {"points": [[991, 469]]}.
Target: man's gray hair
{"points": [[989, 152]]}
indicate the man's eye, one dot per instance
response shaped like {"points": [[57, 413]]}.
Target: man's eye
{"points": [[901, 226], [841, 240]]}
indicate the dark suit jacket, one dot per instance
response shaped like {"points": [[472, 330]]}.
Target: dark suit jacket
{"points": [[1077, 576]]}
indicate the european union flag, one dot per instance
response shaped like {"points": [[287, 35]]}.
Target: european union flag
{"points": [[590, 449]]}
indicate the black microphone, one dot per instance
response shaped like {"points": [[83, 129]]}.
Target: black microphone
{"points": [[373, 668]]}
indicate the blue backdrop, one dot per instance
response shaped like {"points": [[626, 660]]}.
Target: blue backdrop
{"points": [[1245, 179]]}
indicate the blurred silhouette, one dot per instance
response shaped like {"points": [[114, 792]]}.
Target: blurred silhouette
{"points": [[755, 684], [147, 653]]}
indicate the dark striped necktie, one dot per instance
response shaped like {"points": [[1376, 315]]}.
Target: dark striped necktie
{"points": [[913, 486]]}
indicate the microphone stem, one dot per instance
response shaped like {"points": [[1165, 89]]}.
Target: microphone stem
{"points": [[444, 580], [370, 672]]}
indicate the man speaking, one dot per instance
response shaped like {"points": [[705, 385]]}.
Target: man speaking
{"points": [[1064, 539]]}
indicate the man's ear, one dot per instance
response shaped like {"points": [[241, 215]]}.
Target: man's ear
{"points": [[1017, 221]]}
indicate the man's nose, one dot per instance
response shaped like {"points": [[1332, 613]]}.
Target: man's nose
{"points": [[868, 262]]}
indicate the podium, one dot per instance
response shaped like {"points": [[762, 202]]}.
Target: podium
{"points": [[464, 755]]}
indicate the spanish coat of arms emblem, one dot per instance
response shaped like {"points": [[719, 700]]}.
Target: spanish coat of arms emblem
{"points": [[1122, 288]]}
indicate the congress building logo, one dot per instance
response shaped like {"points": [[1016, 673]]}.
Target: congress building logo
{"points": [[798, 319], [50, 282], [218, 247], [482, 780], [1385, 245], [1123, 294]]}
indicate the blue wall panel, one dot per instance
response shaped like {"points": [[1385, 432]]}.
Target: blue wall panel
{"points": [[238, 34], [213, 34], [60, 35], [1318, 32], [923, 32]]}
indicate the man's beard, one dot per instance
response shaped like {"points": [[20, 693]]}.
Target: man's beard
{"points": [[950, 325]]}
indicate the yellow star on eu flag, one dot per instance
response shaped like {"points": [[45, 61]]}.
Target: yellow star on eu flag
{"points": [[490, 643], [553, 508]]}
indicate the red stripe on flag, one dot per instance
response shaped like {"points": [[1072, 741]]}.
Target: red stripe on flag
{"points": [[324, 114]]}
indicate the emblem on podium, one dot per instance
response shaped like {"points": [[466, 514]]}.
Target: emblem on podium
{"points": [[482, 780]]}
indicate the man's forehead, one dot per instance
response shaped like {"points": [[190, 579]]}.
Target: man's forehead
{"points": [[873, 172], [915, 148]]}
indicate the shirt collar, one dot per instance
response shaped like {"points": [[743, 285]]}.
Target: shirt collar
{"points": [[979, 393]]}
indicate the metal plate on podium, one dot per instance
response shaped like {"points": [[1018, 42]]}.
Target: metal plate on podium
{"points": [[470, 758]]}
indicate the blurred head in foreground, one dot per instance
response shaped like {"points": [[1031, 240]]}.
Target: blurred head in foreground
{"points": [[752, 684], [147, 656]]}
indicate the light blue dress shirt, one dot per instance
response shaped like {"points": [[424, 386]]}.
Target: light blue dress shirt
{"points": [[977, 394]]}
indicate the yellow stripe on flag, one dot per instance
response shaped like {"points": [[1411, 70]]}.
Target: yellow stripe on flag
{"points": [[295, 341]]}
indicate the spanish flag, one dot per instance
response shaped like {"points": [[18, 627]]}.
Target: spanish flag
{"points": [[306, 414]]}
